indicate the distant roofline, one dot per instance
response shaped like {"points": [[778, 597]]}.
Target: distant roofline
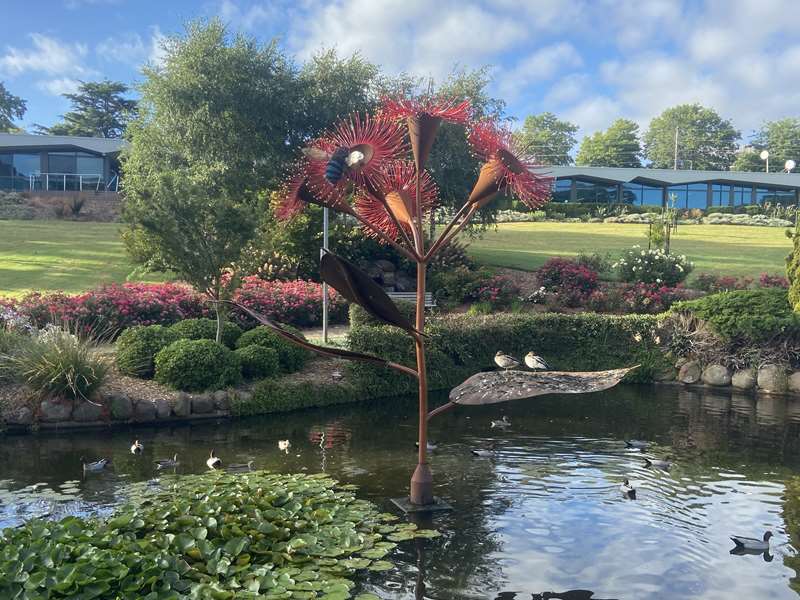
{"points": [[97, 145]]}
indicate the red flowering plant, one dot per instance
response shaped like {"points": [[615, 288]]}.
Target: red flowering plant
{"points": [[361, 168], [499, 291]]}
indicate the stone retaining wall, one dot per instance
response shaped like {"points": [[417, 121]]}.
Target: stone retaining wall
{"points": [[768, 379]]}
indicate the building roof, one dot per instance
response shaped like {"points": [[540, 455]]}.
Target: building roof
{"points": [[50, 142], [661, 177]]}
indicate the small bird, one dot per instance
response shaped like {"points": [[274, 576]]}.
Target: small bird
{"points": [[537, 363], [431, 446], [239, 467], [136, 447], [753, 544], [505, 361], [637, 444], [284, 445], [502, 423], [627, 490], [93, 467], [167, 463], [213, 461], [482, 453], [658, 464], [337, 375]]}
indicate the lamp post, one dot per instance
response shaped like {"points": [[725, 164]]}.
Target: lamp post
{"points": [[765, 157], [324, 285]]}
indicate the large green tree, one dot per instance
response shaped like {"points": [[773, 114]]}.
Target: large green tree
{"points": [[549, 138], [705, 140], [211, 135], [12, 108], [780, 138], [618, 146], [99, 109]]}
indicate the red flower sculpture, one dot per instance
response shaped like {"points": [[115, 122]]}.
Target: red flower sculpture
{"points": [[446, 110]]}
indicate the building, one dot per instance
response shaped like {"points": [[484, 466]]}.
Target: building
{"points": [[59, 163], [689, 189]]}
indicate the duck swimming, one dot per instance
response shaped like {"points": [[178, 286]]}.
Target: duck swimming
{"points": [[753, 544], [664, 465], [214, 462], [627, 490], [504, 422], [136, 447], [93, 467], [167, 463]]}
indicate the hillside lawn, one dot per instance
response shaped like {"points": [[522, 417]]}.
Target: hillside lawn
{"points": [[74, 256]]}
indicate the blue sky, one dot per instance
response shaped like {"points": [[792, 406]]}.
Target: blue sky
{"points": [[590, 61]]}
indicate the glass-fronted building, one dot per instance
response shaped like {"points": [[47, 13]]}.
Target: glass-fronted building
{"points": [[59, 163], [689, 189]]}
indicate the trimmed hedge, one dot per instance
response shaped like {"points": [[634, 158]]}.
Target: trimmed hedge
{"points": [[360, 317], [258, 362], [206, 329], [137, 347], [291, 357], [275, 395], [745, 315], [197, 365]]}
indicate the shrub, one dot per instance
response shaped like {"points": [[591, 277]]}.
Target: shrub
{"points": [[206, 329], [748, 316], [60, 364], [653, 266], [766, 280], [137, 347], [452, 256], [273, 395], [650, 298], [570, 281], [360, 317], [458, 285], [197, 365], [258, 362], [599, 263], [498, 292], [11, 343], [708, 282], [290, 356]]}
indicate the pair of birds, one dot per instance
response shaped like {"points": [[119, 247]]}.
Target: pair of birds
{"points": [[532, 361]]}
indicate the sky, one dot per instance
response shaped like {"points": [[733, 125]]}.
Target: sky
{"points": [[589, 61]]}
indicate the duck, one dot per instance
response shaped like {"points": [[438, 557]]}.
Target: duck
{"points": [[664, 465], [284, 445], [482, 452], [431, 446], [137, 447], [167, 463], [627, 490], [213, 461], [239, 467], [504, 422], [637, 444], [505, 361], [537, 363], [752, 544], [93, 467]]}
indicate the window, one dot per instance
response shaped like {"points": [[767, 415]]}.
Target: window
{"points": [[652, 195], [6, 165], [589, 191], [696, 195], [720, 195], [679, 194], [88, 164], [61, 162], [561, 190], [742, 195], [26, 165], [775, 196]]}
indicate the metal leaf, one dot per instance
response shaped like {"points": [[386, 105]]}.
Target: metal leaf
{"points": [[355, 285], [501, 386]]}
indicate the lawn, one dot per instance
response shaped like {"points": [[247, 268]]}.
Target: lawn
{"points": [[723, 249]]}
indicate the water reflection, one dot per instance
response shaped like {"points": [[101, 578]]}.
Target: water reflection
{"points": [[542, 513]]}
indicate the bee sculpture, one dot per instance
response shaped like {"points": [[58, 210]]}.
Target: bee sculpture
{"points": [[338, 161]]}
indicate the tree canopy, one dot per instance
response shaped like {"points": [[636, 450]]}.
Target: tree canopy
{"points": [[12, 108], [99, 109], [618, 146], [549, 138], [706, 141], [780, 138]]}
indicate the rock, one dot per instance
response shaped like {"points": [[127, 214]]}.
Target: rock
{"points": [[689, 372], [389, 279], [744, 379], [385, 265], [772, 379], [716, 375], [221, 401], [182, 406], [794, 382], [19, 415], [87, 411], [121, 407], [163, 408], [202, 404], [681, 361], [404, 283], [53, 410], [145, 410], [244, 396], [595, 220]]}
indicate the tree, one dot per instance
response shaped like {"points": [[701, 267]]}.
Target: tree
{"points": [[780, 138], [549, 138], [99, 109], [618, 146], [11, 108], [748, 159], [706, 141], [211, 135]]}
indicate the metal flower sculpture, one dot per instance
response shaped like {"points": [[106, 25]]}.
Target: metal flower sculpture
{"points": [[362, 168]]}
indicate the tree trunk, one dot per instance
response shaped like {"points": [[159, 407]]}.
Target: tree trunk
{"points": [[220, 313]]}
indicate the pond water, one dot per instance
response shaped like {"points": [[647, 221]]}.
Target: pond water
{"points": [[543, 514]]}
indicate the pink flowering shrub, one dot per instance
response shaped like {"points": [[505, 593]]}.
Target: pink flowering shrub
{"points": [[767, 280], [572, 282], [499, 291], [708, 282], [651, 298]]}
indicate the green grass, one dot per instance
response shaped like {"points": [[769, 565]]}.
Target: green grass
{"points": [[59, 255], [722, 249]]}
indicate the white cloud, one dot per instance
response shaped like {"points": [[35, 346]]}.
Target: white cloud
{"points": [[57, 87], [132, 49], [566, 90], [247, 19], [75, 4], [541, 65], [47, 55], [594, 113], [714, 45]]}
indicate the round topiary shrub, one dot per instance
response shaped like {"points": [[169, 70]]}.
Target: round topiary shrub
{"points": [[291, 357], [138, 346], [258, 362], [206, 329], [197, 365]]}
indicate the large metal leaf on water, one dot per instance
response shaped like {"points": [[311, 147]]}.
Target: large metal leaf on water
{"points": [[501, 386], [355, 285]]}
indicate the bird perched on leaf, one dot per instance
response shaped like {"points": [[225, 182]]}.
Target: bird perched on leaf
{"points": [[214, 461], [505, 361], [537, 363], [136, 447]]}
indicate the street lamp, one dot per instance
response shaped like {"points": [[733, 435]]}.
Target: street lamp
{"points": [[790, 164], [765, 156]]}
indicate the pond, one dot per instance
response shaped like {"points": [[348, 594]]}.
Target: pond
{"points": [[542, 513]]}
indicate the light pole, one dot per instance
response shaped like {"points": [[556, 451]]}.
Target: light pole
{"points": [[324, 285], [765, 157]]}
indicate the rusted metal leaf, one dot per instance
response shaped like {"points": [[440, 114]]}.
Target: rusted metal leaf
{"points": [[501, 386], [355, 285]]}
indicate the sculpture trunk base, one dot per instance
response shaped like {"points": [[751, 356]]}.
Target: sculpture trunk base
{"points": [[422, 485]]}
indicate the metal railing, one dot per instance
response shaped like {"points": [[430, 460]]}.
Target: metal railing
{"points": [[60, 182]]}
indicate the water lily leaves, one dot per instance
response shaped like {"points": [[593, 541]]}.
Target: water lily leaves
{"points": [[381, 565], [358, 287], [501, 386]]}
